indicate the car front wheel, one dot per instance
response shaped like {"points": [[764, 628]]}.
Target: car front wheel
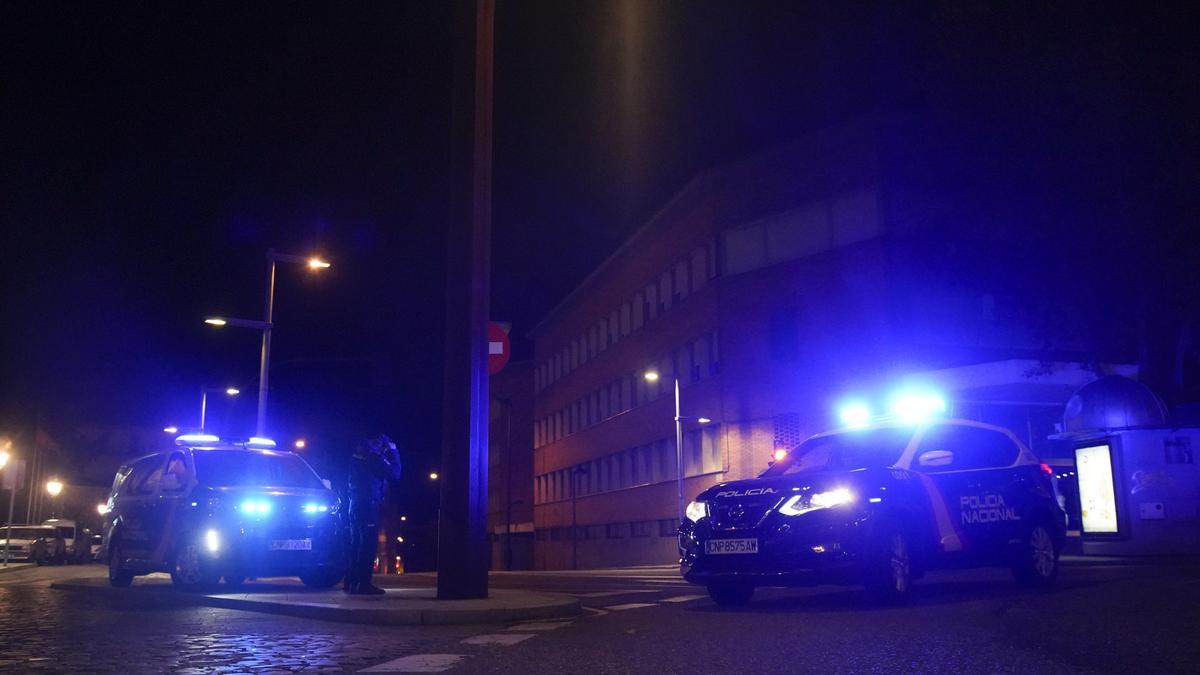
{"points": [[1036, 563], [731, 594], [888, 564], [191, 569], [118, 575]]}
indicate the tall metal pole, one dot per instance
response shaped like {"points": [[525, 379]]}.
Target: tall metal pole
{"points": [[574, 521], [508, 484], [12, 493], [264, 361], [462, 572], [679, 450], [203, 406]]}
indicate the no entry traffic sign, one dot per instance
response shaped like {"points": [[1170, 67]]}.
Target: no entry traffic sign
{"points": [[499, 348]]}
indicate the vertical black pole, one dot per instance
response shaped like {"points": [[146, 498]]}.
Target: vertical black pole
{"points": [[463, 547]]}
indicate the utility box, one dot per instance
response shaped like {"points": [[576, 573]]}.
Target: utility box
{"points": [[1138, 483]]}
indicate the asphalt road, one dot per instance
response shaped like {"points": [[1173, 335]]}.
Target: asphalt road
{"points": [[1110, 618]]}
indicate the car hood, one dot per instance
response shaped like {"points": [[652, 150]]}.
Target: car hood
{"points": [[16, 541], [776, 487]]}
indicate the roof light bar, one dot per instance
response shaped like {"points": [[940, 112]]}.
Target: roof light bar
{"points": [[196, 439]]}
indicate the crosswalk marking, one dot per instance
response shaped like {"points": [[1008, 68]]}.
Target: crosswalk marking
{"points": [[629, 605], [604, 594], [502, 639], [539, 625], [683, 598], [417, 663]]}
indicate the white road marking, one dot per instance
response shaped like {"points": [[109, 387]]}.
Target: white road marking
{"points": [[629, 605], [684, 598], [417, 663], [605, 594], [539, 625], [502, 639], [596, 611]]}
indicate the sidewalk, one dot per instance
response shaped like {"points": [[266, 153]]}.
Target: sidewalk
{"points": [[400, 606], [14, 566]]}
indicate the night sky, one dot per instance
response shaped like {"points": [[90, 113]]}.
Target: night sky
{"points": [[153, 153]]}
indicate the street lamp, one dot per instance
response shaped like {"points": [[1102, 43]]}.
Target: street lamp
{"points": [[54, 486], [204, 392], [652, 376], [264, 362], [433, 475], [300, 443], [4, 457], [171, 429]]}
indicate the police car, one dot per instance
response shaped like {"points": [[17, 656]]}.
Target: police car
{"points": [[210, 508], [878, 505]]}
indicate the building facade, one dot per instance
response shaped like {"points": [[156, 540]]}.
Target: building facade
{"points": [[510, 467], [773, 289]]}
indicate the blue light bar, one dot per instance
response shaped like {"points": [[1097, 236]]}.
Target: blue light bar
{"points": [[855, 415], [256, 506], [260, 442], [196, 439], [915, 407], [314, 508]]}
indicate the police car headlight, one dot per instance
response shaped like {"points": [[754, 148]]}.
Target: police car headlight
{"points": [[696, 510], [820, 500]]}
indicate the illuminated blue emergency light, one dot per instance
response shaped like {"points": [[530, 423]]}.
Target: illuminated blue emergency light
{"points": [[256, 506], [855, 415], [196, 439], [315, 508], [260, 442], [914, 407]]}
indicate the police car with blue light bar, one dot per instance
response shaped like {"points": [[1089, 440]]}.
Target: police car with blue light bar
{"points": [[211, 508], [878, 504]]}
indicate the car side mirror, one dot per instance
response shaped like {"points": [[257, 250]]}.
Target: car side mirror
{"points": [[327, 483], [935, 458]]}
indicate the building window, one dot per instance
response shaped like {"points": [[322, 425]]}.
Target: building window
{"points": [[683, 364], [665, 295], [602, 335], [556, 533], [541, 534], [651, 301], [628, 393], [699, 268], [614, 327], [616, 530], [714, 363], [691, 453], [668, 528], [681, 280], [639, 310], [640, 528], [593, 531], [625, 319], [592, 342]]}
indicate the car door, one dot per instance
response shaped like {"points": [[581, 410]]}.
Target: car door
{"points": [[966, 466], [174, 485], [137, 506]]}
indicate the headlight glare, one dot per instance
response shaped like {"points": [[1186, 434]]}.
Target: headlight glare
{"points": [[212, 541], [797, 505], [696, 510]]}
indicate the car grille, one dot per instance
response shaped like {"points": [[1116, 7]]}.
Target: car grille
{"points": [[740, 514]]}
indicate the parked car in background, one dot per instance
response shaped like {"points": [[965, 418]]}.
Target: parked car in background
{"points": [[21, 545], [48, 548], [72, 533]]}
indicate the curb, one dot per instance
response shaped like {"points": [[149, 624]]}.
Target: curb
{"points": [[15, 566], [557, 608]]}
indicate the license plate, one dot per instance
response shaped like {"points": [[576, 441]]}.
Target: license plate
{"points": [[726, 546], [291, 544]]}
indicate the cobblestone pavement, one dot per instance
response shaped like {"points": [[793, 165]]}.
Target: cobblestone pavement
{"points": [[45, 630]]}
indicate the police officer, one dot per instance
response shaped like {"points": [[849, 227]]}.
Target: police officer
{"points": [[373, 465]]}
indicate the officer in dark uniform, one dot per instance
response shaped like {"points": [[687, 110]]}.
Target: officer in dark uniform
{"points": [[373, 465]]}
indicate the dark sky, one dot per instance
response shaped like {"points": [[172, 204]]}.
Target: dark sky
{"points": [[152, 153]]}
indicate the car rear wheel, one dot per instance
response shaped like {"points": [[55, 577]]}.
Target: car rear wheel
{"points": [[888, 564], [118, 575], [191, 569], [1037, 558], [322, 577], [731, 594]]}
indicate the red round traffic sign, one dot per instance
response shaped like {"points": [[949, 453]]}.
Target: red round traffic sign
{"points": [[499, 348]]}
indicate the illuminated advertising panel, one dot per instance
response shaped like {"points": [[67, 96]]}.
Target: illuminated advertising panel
{"points": [[1097, 493]]}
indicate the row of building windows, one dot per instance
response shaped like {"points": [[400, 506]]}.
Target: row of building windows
{"points": [[672, 286], [636, 529], [646, 464], [694, 361]]}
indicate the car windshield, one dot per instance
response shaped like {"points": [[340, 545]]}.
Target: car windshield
{"points": [[242, 468], [845, 452], [66, 532], [27, 532]]}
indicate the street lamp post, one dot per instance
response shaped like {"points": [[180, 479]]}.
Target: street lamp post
{"points": [[12, 493], [575, 474], [54, 488], [204, 392], [264, 361], [652, 376]]}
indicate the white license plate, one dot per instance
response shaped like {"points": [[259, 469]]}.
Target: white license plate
{"points": [[291, 544], [726, 546]]}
